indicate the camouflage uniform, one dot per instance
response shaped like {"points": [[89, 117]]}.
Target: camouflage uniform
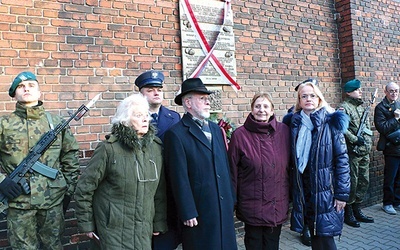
{"points": [[37, 218], [359, 161]]}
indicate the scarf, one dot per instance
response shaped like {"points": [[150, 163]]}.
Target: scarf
{"points": [[304, 140]]}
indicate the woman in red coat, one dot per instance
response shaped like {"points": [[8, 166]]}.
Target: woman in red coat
{"points": [[259, 154]]}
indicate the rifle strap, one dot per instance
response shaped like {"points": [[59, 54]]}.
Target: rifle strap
{"points": [[49, 119]]}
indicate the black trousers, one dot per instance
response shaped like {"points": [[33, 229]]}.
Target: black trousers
{"points": [[323, 243], [262, 238], [391, 181]]}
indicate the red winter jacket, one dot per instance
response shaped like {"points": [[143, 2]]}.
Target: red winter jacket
{"points": [[259, 158]]}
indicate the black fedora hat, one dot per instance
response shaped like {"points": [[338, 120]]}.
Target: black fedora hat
{"points": [[191, 85]]}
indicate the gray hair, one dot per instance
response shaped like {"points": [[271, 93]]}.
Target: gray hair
{"points": [[127, 107], [187, 96], [391, 84]]}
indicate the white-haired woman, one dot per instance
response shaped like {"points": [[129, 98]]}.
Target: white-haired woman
{"points": [[121, 193], [321, 176]]}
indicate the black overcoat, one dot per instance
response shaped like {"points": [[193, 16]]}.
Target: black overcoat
{"points": [[201, 185]]}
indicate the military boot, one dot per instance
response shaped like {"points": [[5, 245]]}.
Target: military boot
{"points": [[360, 216], [349, 218]]}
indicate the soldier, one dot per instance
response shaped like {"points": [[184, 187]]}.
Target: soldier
{"points": [[358, 150], [150, 84], [35, 220]]}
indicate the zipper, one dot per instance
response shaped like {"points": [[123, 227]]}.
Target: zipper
{"points": [[316, 180], [301, 190]]}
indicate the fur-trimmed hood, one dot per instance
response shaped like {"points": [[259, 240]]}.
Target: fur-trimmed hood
{"points": [[128, 137], [337, 120]]}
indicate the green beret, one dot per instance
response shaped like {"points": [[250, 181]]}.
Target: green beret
{"points": [[23, 76], [351, 85]]}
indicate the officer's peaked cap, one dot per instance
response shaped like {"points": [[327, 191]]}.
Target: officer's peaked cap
{"points": [[150, 78]]}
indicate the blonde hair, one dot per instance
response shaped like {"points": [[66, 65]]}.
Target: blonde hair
{"points": [[322, 103]]}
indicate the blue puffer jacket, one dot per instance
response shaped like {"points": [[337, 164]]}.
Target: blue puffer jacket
{"points": [[329, 172]]}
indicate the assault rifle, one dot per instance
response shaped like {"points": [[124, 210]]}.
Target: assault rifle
{"points": [[364, 117], [30, 163]]}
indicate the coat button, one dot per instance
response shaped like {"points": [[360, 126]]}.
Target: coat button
{"points": [[221, 197]]}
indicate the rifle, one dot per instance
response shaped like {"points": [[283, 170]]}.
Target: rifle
{"points": [[364, 117], [30, 163]]}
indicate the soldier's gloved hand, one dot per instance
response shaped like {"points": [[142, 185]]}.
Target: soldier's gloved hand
{"points": [[66, 201], [360, 141], [10, 188]]}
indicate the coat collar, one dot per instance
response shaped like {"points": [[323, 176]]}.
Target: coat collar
{"points": [[25, 112], [260, 127], [337, 120], [354, 101], [391, 106]]}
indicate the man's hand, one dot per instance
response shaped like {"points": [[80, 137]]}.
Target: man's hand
{"points": [[10, 188], [339, 205], [191, 222]]}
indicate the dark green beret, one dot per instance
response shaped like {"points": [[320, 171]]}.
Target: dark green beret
{"points": [[23, 76], [351, 85]]}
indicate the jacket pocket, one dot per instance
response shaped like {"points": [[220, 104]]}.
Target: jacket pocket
{"points": [[114, 219], [57, 187]]}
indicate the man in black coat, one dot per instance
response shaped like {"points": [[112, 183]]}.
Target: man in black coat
{"points": [[387, 122], [198, 168]]}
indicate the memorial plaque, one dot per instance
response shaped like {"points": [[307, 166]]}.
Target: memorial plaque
{"points": [[210, 17], [215, 99]]}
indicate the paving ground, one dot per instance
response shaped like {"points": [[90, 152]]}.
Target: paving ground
{"points": [[384, 234]]}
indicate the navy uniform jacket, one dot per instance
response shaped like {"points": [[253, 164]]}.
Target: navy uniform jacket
{"points": [[201, 185], [166, 118]]}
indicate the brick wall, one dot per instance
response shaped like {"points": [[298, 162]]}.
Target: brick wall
{"points": [[369, 34], [78, 48]]}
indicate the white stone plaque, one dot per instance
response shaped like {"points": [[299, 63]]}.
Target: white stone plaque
{"points": [[210, 16]]}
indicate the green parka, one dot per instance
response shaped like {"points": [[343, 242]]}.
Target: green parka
{"points": [[121, 193]]}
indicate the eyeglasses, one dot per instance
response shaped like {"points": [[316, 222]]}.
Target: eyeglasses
{"points": [[141, 116], [150, 179], [311, 96], [203, 99], [392, 91]]}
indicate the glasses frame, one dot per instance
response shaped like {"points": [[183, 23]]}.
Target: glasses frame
{"points": [[393, 91], [147, 180], [311, 96]]}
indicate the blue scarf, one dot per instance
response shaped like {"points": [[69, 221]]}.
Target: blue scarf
{"points": [[304, 140]]}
